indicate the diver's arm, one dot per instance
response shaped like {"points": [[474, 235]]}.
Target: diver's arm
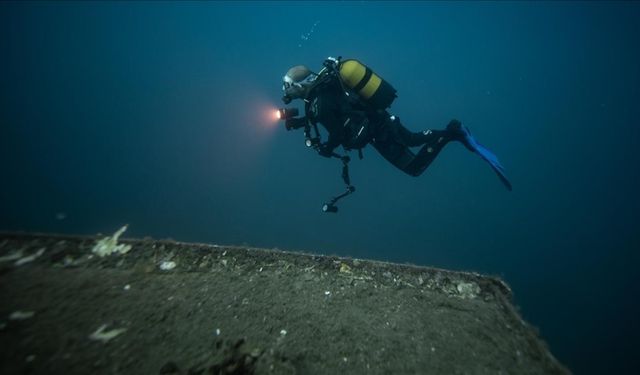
{"points": [[334, 128], [326, 149], [328, 117]]}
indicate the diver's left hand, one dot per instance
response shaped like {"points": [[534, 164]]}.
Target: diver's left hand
{"points": [[325, 150]]}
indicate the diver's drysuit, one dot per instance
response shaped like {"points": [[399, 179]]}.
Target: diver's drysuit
{"points": [[352, 125]]}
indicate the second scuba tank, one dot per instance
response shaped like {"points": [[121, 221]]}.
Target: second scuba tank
{"points": [[374, 90]]}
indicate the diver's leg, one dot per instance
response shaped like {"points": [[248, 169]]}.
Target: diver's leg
{"points": [[432, 142], [411, 139], [426, 155], [393, 141], [404, 159], [397, 154]]}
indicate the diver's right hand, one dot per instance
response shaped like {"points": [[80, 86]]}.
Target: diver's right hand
{"points": [[295, 123]]}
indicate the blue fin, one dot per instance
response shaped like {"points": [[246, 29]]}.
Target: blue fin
{"points": [[485, 154]]}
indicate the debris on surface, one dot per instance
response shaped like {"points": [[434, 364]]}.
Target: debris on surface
{"points": [[468, 290], [29, 258], [101, 335], [344, 268], [167, 266], [21, 315], [68, 261], [109, 245]]}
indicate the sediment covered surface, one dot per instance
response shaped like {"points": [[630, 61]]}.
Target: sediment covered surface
{"points": [[164, 307]]}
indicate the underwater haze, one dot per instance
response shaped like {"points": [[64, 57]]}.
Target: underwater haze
{"points": [[160, 116]]}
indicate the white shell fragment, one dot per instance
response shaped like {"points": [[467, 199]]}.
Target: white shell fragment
{"points": [[21, 315], [101, 335], [13, 256], [109, 245], [167, 266], [29, 258]]}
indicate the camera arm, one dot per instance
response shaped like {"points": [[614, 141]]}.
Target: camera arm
{"points": [[331, 205]]}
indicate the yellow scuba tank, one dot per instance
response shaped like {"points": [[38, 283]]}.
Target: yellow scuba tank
{"points": [[374, 90]]}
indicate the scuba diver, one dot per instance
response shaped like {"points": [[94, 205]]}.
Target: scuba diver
{"points": [[349, 100]]}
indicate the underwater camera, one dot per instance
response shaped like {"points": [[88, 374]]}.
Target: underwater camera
{"points": [[289, 114]]}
